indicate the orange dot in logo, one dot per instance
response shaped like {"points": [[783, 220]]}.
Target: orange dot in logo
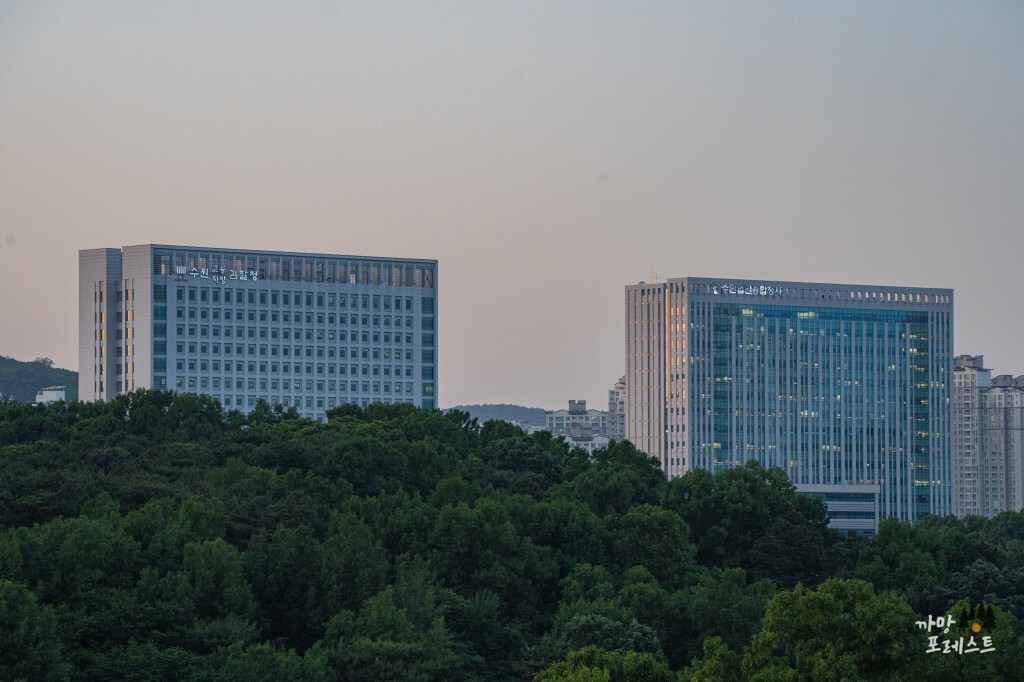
{"points": [[976, 627]]}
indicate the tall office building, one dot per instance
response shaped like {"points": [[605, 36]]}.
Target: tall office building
{"points": [[310, 331], [847, 388], [988, 428]]}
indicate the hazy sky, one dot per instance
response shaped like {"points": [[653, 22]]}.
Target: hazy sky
{"points": [[546, 153]]}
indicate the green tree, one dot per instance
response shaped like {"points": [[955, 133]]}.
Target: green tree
{"points": [[214, 569], [613, 479], [595, 663], [30, 648], [380, 643], [718, 662], [722, 604], [841, 630], [657, 539], [264, 663], [752, 518]]}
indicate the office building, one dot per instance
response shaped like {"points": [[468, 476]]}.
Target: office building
{"points": [[988, 418], [309, 331], [847, 388]]}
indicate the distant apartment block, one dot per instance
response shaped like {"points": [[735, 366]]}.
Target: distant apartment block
{"points": [[988, 424], [588, 443], [617, 410], [302, 330], [847, 388], [577, 418]]}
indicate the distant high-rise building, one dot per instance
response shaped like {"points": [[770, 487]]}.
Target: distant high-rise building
{"points": [[847, 388], [302, 330], [617, 410], [988, 439]]}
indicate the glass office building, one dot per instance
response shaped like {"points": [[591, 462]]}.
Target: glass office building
{"points": [[847, 388], [309, 331]]}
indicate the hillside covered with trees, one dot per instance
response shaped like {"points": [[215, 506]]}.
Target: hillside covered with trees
{"points": [[22, 380], [504, 412], [159, 538]]}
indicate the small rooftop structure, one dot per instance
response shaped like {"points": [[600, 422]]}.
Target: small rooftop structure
{"points": [[51, 394]]}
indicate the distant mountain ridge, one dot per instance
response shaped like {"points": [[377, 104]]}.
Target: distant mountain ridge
{"points": [[505, 412], [21, 380]]}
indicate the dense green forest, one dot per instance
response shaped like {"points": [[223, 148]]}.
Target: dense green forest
{"points": [[159, 538], [22, 380]]}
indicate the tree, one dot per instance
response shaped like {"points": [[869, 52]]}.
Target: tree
{"points": [[264, 663], [657, 539], [718, 663], [722, 604], [841, 630], [30, 648], [618, 477], [215, 571], [380, 643], [595, 663], [300, 582], [752, 518]]}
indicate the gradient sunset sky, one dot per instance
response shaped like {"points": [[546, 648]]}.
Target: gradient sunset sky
{"points": [[546, 153]]}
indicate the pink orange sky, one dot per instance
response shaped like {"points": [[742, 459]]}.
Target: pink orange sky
{"points": [[547, 154]]}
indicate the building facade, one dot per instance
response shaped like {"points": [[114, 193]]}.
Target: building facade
{"points": [[577, 421], [989, 448], [588, 443], [310, 331], [617, 410], [847, 388], [51, 394]]}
